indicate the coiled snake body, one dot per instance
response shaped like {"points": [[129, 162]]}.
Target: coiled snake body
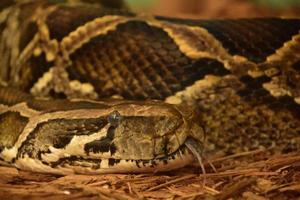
{"points": [[241, 77]]}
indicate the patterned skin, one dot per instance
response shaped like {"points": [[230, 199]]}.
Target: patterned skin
{"points": [[240, 76]]}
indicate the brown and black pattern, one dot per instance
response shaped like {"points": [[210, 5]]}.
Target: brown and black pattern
{"points": [[255, 94], [241, 76], [72, 17], [254, 39], [236, 122], [149, 65]]}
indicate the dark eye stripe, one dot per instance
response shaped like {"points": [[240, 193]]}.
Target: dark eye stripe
{"points": [[58, 133]]}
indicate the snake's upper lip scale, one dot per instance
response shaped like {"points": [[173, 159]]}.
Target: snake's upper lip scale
{"points": [[180, 158]]}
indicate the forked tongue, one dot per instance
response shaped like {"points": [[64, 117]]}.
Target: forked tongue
{"points": [[196, 149]]}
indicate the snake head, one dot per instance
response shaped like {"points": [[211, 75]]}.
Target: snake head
{"points": [[149, 136], [109, 137]]}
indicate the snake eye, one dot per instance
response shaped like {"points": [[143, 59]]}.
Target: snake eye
{"points": [[114, 118]]}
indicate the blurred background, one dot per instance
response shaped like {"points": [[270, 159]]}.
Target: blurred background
{"points": [[218, 8]]}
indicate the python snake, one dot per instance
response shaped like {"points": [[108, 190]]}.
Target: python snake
{"points": [[229, 85]]}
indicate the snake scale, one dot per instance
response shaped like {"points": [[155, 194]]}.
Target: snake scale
{"points": [[191, 87]]}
